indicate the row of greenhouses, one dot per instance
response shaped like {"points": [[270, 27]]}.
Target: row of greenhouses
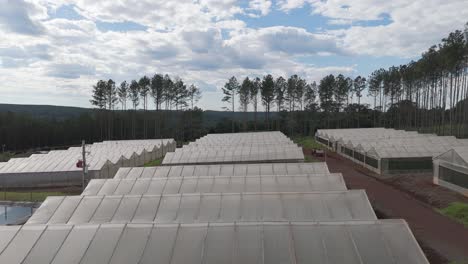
{"points": [[388, 151], [255, 212], [237, 148], [218, 170], [217, 184], [187, 208], [242, 139], [59, 167], [376, 241]]}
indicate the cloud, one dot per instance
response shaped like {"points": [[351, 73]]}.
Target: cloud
{"points": [[387, 28], [26, 52], [202, 41], [259, 6], [162, 52], [20, 56], [15, 17], [287, 40], [287, 5], [70, 71], [207, 41]]}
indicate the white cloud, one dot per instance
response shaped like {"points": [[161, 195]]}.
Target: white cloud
{"points": [[288, 5], [70, 71], [20, 17], [261, 6], [389, 28], [204, 41]]}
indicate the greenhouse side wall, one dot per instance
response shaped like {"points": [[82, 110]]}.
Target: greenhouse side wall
{"points": [[451, 176], [406, 165]]}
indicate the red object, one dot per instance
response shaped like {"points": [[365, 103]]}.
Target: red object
{"points": [[79, 164]]}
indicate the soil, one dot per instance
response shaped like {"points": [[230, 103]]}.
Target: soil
{"points": [[413, 198], [422, 188]]}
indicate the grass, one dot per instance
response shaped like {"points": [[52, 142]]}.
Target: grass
{"points": [[28, 196], [307, 142], [4, 157], [154, 163], [457, 211], [308, 158]]}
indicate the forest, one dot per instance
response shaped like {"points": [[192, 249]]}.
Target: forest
{"points": [[429, 95]]}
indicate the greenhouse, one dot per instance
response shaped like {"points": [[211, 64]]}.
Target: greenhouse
{"points": [[244, 154], [262, 169], [58, 168], [241, 139], [377, 241], [451, 170], [257, 147], [212, 184], [262, 212], [388, 151], [212, 208]]}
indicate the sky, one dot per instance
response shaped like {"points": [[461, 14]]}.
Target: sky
{"points": [[54, 51]]}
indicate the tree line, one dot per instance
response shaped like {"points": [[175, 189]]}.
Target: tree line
{"points": [[429, 95], [302, 106], [167, 94]]}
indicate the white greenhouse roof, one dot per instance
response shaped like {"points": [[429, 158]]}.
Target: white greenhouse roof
{"points": [[391, 143], [98, 155], [261, 169], [219, 212], [237, 139], [212, 184], [196, 208], [237, 148], [456, 155], [235, 155], [379, 241]]}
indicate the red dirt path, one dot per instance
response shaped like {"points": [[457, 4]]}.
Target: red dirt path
{"points": [[441, 234]]}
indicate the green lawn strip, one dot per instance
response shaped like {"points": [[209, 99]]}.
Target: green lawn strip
{"points": [[308, 158], [307, 142], [154, 163], [28, 196], [457, 211]]}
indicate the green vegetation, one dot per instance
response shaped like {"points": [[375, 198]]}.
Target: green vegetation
{"points": [[458, 262], [34, 196], [154, 163], [457, 211], [307, 142], [5, 156], [308, 158]]}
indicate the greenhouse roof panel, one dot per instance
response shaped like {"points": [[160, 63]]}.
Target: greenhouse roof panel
{"points": [[378, 241], [189, 208], [218, 184]]}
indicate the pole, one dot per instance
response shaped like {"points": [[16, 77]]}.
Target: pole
{"points": [[83, 144]]}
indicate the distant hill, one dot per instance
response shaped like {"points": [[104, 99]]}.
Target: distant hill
{"points": [[64, 112], [45, 111]]}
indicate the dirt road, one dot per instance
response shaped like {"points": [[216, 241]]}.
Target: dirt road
{"points": [[446, 237]]}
